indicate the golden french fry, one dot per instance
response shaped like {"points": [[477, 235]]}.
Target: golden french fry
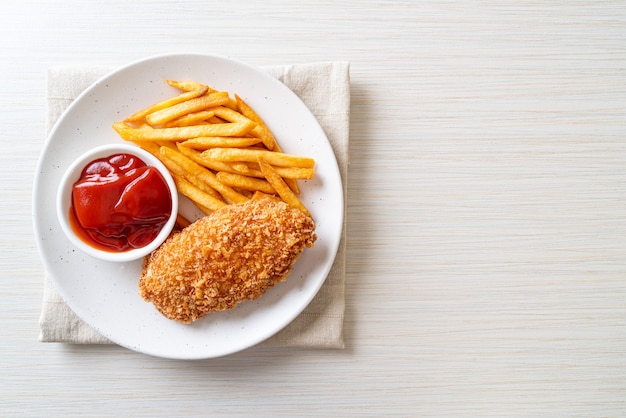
{"points": [[204, 143], [293, 185], [287, 173], [260, 195], [198, 158], [245, 183], [150, 146], [240, 167], [204, 209], [203, 200], [251, 155], [188, 85], [182, 222], [295, 173], [229, 114], [215, 119], [168, 144], [167, 103], [232, 104], [189, 119], [146, 133], [244, 169], [181, 170], [261, 129], [204, 175], [281, 187], [189, 106]]}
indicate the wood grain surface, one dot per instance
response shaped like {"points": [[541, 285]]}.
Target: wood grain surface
{"points": [[486, 271]]}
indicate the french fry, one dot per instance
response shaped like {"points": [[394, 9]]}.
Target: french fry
{"points": [[282, 188], [229, 114], [167, 103], [292, 183], [182, 222], [287, 173], [215, 119], [198, 158], [261, 129], [252, 184], [204, 201], [187, 85], [295, 173], [180, 170], [251, 155], [146, 133], [240, 167], [204, 143], [205, 175], [168, 144], [189, 119], [150, 146], [189, 106], [260, 195]]}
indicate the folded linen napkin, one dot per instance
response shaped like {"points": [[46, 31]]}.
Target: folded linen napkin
{"points": [[325, 88]]}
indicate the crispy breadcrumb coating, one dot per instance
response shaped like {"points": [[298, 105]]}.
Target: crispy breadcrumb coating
{"points": [[235, 254]]}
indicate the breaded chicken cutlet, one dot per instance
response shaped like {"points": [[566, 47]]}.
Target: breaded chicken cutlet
{"points": [[235, 254]]}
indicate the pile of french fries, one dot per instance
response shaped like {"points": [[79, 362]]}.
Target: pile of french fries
{"points": [[217, 148]]}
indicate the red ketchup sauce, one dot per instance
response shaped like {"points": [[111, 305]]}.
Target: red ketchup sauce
{"points": [[119, 203]]}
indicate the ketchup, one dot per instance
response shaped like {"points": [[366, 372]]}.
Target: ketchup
{"points": [[119, 203]]}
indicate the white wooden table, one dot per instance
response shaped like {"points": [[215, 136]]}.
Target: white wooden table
{"points": [[486, 210]]}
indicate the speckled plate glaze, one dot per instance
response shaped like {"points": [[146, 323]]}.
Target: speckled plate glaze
{"points": [[105, 295]]}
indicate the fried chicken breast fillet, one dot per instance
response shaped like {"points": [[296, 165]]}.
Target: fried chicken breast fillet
{"points": [[235, 254]]}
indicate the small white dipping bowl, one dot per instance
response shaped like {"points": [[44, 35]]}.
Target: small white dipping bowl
{"points": [[64, 200]]}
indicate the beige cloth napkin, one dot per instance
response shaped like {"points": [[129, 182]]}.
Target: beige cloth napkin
{"points": [[325, 88]]}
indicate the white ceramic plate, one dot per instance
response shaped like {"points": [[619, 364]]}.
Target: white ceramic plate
{"points": [[104, 294]]}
